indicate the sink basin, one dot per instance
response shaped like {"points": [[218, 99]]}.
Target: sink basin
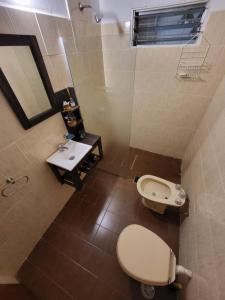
{"points": [[69, 158]]}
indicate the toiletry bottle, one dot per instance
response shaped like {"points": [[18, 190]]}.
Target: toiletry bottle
{"points": [[66, 105], [72, 102]]}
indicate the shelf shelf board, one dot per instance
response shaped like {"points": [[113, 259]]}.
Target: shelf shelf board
{"points": [[72, 109], [78, 123]]}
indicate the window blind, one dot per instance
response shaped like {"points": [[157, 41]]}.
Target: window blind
{"points": [[176, 25]]}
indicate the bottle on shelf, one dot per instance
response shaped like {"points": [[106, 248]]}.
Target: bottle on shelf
{"points": [[72, 102], [66, 105]]}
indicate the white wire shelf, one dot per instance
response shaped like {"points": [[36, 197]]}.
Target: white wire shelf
{"points": [[192, 62]]}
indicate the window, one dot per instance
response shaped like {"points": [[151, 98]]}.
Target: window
{"points": [[176, 25]]}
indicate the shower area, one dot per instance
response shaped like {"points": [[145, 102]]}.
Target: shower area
{"points": [[101, 64]]}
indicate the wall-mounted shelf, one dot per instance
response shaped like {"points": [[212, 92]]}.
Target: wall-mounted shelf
{"points": [[71, 115], [192, 62], [77, 175], [71, 109]]}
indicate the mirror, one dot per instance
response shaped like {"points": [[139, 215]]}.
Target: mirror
{"points": [[24, 80]]}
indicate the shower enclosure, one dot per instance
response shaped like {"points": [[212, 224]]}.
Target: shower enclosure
{"points": [[102, 64]]}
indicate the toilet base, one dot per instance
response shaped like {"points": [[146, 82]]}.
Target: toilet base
{"points": [[147, 291], [156, 207]]}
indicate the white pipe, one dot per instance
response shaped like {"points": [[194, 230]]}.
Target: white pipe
{"points": [[180, 270]]}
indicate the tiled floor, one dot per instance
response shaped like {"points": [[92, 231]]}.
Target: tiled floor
{"points": [[128, 162], [15, 292], [76, 257]]}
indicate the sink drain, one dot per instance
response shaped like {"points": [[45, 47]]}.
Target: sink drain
{"points": [[71, 157]]}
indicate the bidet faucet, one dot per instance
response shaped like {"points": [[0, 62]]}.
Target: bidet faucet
{"points": [[62, 147]]}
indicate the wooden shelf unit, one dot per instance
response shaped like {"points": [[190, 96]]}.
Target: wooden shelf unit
{"points": [[91, 159], [75, 112]]}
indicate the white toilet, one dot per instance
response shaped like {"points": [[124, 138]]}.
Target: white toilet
{"points": [[145, 257], [157, 193]]}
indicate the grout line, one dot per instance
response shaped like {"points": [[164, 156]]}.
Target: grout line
{"points": [[69, 258], [110, 230], [50, 279], [31, 10], [42, 37], [90, 243], [60, 287], [132, 165]]}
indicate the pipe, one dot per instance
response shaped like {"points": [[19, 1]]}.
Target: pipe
{"points": [[83, 6], [180, 270]]}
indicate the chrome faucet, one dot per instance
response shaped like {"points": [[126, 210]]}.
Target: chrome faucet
{"points": [[62, 147]]}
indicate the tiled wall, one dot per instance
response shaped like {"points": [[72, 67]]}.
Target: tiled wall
{"points": [[103, 72], [131, 94], [202, 238], [202, 234], [26, 215], [119, 69], [86, 65], [167, 111]]}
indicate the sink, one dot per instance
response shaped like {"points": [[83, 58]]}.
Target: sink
{"points": [[69, 158]]}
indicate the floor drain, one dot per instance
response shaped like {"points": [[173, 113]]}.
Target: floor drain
{"points": [[136, 178], [71, 157], [148, 291]]}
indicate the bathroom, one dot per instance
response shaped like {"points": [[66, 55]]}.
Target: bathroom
{"points": [[145, 108]]}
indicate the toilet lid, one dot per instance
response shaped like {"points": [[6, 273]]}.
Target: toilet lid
{"points": [[143, 255]]}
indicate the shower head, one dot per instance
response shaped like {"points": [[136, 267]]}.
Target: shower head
{"points": [[83, 6], [98, 18]]}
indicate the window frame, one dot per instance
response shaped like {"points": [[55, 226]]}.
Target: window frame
{"points": [[165, 9]]}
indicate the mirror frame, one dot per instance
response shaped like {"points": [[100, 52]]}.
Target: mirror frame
{"points": [[31, 41]]}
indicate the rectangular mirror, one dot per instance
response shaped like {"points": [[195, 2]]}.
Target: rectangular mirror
{"points": [[24, 79]]}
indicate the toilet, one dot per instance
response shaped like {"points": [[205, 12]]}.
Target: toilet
{"points": [[145, 257], [157, 193]]}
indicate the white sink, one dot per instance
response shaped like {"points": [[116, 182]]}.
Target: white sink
{"points": [[69, 158]]}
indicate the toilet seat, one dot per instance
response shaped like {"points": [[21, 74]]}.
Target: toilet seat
{"points": [[145, 257]]}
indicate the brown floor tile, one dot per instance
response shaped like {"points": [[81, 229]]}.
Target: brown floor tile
{"points": [[40, 285], [87, 230], [113, 276], [76, 258], [82, 252], [62, 270], [15, 292], [106, 240], [114, 222], [104, 292], [125, 199]]}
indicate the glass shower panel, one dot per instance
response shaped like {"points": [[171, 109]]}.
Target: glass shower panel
{"points": [[102, 67]]}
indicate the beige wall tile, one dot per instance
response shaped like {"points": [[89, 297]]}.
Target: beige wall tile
{"points": [[52, 130], [76, 14], [158, 59], [202, 177], [95, 62], [12, 162], [5, 22], [50, 33], [30, 27], [119, 81], [7, 122], [25, 215], [120, 59], [169, 103], [59, 69], [215, 31], [114, 29], [115, 42]]}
